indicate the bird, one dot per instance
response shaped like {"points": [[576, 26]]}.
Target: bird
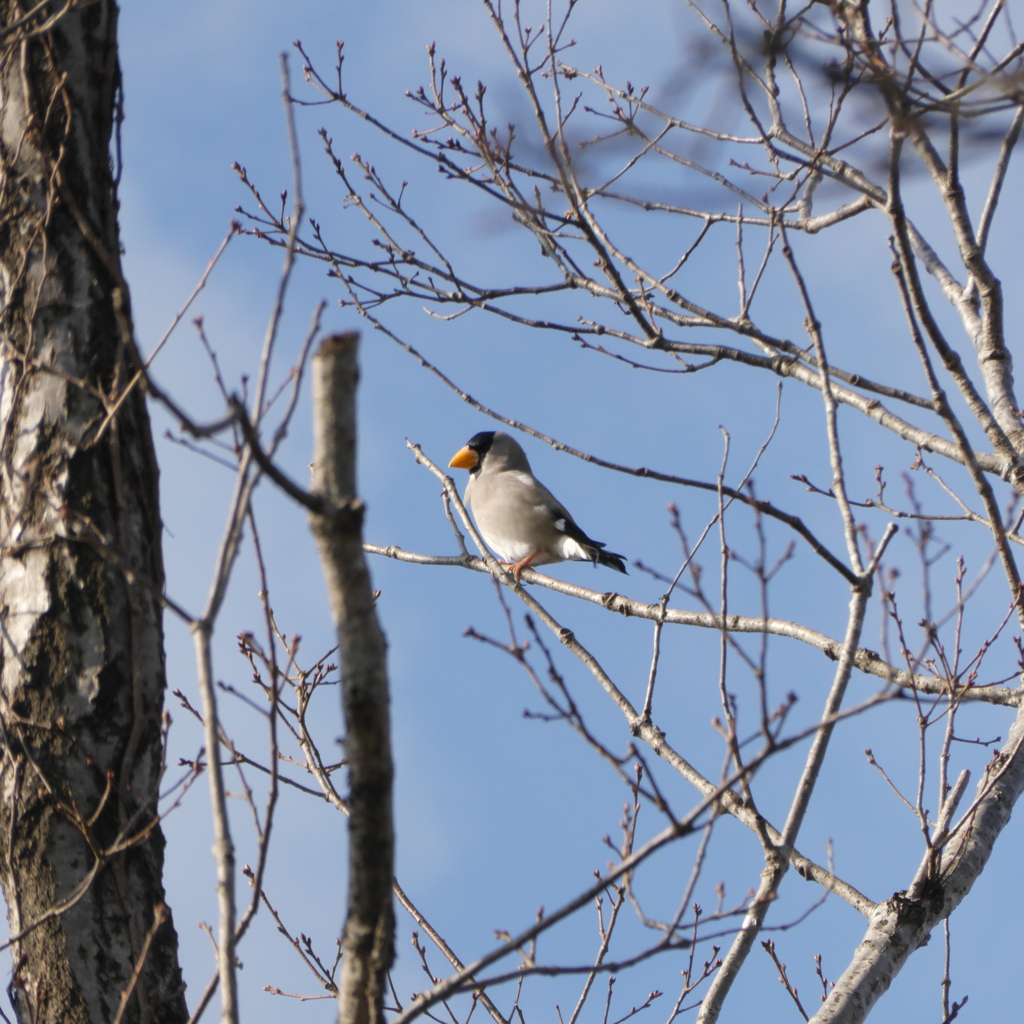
{"points": [[518, 517]]}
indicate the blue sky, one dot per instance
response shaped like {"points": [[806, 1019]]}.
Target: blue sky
{"points": [[499, 814]]}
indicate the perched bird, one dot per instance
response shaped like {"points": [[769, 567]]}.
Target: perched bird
{"points": [[521, 520]]}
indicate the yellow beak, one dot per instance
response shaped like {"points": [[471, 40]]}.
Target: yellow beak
{"points": [[465, 458]]}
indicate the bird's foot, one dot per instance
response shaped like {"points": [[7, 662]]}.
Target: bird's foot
{"points": [[516, 568]]}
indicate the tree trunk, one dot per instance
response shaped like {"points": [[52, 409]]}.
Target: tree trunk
{"points": [[368, 941], [81, 649]]}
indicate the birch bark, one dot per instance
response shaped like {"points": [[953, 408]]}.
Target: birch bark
{"points": [[81, 649]]}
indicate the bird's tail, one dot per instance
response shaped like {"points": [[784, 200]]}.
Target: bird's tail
{"points": [[580, 547], [609, 558]]}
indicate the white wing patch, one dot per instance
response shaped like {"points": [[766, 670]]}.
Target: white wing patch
{"points": [[573, 551]]}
